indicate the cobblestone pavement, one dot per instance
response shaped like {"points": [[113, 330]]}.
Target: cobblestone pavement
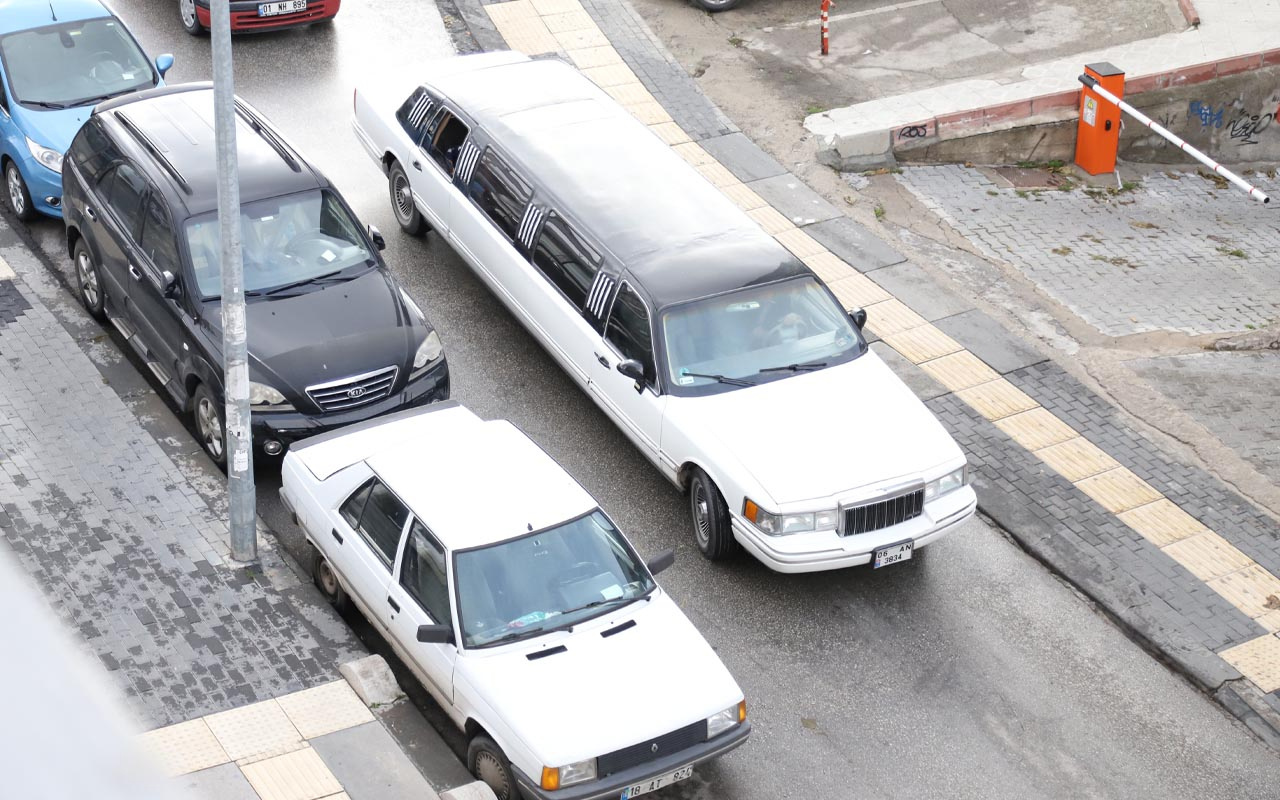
{"points": [[1175, 253], [127, 551]]}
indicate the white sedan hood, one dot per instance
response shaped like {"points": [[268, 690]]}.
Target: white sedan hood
{"points": [[817, 434], [603, 694]]}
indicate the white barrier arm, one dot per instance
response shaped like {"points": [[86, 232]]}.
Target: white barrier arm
{"points": [[1254, 192]]}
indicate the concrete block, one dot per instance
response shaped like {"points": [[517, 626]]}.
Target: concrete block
{"points": [[855, 244], [916, 288], [742, 157], [472, 791], [369, 763], [794, 200], [990, 341], [372, 680]]}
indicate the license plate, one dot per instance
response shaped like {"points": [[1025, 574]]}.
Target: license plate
{"points": [[282, 7], [654, 784], [893, 554]]}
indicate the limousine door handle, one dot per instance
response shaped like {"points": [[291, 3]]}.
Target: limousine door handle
{"points": [[417, 165], [604, 362], [91, 214], [394, 605], [135, 272], [336, 535]]}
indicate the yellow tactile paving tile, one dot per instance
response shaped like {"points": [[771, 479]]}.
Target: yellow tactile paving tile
{"points": [[996, 399], [769, 219], [650, 113], [300, 775], [671, 133], [505, 12], [797, 241], [1207, 555], [1258, 660], [630, 94], [746, 199], [1270, 621], [1077, 459], [693, 153], [325, 709], [922, 344], [828, 266], [1250, 589], [612, 75], [1036, 428], [594, 57], [717, 174], [1118, 490], [185, 747], [528, 35], [570, 21], [255, 731], [961, 370], [857, 291], [892, 316], [590, 37], [1162, 522], [548, 7]]}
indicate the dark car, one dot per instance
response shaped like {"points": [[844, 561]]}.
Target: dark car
{"points": [[333, 339]]}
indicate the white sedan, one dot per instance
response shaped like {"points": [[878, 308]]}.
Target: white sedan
{"points": [[517, 603]]}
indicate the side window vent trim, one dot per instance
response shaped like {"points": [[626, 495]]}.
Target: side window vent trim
{"points": [[418, 114], [599, 294], [467, 161], [529, 225]]}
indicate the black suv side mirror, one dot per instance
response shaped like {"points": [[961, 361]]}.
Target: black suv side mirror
{"points": [[859, 317], [376, 236], [661, 561], [435, 634], [168, 284], [632, 369]]}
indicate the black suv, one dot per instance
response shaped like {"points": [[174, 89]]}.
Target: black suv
{"points": [[333, 339]]}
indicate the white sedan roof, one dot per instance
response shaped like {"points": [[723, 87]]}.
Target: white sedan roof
{"points": [[472, 482]]}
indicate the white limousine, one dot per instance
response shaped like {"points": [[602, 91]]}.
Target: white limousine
{"points": [[726, 361]]}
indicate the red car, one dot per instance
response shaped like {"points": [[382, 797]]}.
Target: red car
{"points": [[250, 15]]}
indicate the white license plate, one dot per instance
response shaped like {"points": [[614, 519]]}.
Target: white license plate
{"points": [[282, 7], [654, 784], [893, 554]]}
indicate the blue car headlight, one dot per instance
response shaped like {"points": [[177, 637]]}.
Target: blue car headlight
{"points": [[47, 156]]}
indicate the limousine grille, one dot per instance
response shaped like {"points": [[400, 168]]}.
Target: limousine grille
{"points": [[355, 391], [883, 513], [650, 749]]}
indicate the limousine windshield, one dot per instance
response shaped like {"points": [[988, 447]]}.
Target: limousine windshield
{"points": [[757, 334]]}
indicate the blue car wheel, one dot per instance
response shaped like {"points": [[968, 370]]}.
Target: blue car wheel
{"points": [[19, 197]]}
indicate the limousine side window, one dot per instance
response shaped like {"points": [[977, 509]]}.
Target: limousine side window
{"points": [[628, 330], [499, 192], [445, 136], [415, 113], [565, 260]]}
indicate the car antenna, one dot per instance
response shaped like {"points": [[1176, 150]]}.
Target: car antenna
{"points": [[530, 524], [53, 13]]}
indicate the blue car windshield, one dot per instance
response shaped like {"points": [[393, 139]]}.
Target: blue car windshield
{"points": [[74, 63]]}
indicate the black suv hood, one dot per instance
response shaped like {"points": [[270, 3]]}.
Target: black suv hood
{"points": [[327, 333]]}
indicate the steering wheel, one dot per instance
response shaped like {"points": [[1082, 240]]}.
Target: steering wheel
{"points": [[791, 327], [105, 68], [310, 247]]}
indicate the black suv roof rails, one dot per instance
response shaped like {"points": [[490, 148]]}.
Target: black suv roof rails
{"points": [[155, 151], [259, 127]]}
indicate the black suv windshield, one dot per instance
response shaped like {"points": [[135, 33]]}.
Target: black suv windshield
{"points": [[74, 63], [284, 241], [547, 580]]}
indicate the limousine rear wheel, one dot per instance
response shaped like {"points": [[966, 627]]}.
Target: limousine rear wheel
{"points": [[488, 763], [407, 214], [711, 527]]}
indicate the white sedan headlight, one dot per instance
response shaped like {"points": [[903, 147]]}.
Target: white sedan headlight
{"points": [[722, 721], [428, 351], [265, 397], [47, 156], [554, 778], [784, 524], [947, 483]]}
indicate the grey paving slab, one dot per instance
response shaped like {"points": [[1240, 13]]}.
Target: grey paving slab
{"points": [[851, 241], [223, 782], [795, 200], [370, 766], [423, 744], [989, 341], [912, 285], [925, 387], [743, 157]]}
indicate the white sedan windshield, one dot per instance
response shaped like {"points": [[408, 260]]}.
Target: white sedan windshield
{"points": [[549, 579], [756, 334], [74, 63]]}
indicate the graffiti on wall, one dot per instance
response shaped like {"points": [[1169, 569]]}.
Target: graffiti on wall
{"points": [[1241, 128], [1245, 130]]}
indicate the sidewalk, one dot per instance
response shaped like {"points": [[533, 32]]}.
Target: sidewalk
{"points": [[233, 663], [1184, 564]]}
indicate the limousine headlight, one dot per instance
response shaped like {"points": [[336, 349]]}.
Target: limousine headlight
{"points": [[947, 483], [722, 721], [784, 524], [428, 351], [267, 398], [558, 777]]}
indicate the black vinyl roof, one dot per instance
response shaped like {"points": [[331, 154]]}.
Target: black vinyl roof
{"points": [[178, 122], [678, 234]]}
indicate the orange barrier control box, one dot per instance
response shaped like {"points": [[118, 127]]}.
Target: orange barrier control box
{"points": [[1098, 132]]}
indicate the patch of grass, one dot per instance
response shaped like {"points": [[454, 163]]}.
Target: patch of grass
{"points": [[993, 193], [1066, 185], [1217, 180], [814, 108], [1023, 193], [1061, 251], [1121, 262], [1146, 226], [1250, 326], [879, 211], [1097, 257], [737, 41], [1233, 252]]}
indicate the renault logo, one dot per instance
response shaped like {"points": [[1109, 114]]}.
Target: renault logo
{"points": [[356, 392], [654, 748]]}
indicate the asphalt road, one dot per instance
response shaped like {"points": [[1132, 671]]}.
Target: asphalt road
{"points": [[969, 672]]}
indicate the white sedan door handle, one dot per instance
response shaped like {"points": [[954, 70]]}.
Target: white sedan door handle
{"points": [[604, 362]]}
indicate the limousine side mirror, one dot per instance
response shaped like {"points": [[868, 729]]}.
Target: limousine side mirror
{"points": [[168, 284], [435, 634], [859, 317], [375, 236], [632, 369], [661, 561]]}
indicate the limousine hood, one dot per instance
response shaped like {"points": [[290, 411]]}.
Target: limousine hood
{"points": [[817, 434], [604, 693], [325, 334]]}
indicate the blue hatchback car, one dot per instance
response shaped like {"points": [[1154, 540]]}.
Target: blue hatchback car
{"points": [[58, 59]]}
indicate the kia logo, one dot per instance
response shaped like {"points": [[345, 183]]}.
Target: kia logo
{"points": [[356, 392]]}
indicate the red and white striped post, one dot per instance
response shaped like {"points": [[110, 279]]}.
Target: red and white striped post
{"points": [[826, 13]]}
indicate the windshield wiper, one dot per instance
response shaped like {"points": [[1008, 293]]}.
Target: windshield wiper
{"points": [[720, 378], [796, 367], [45, 104], [568, 626], [335, 276], [88, 101]]}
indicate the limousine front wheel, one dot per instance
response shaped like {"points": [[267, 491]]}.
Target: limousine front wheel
{"points": [[406, 212], [711, 527]]}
